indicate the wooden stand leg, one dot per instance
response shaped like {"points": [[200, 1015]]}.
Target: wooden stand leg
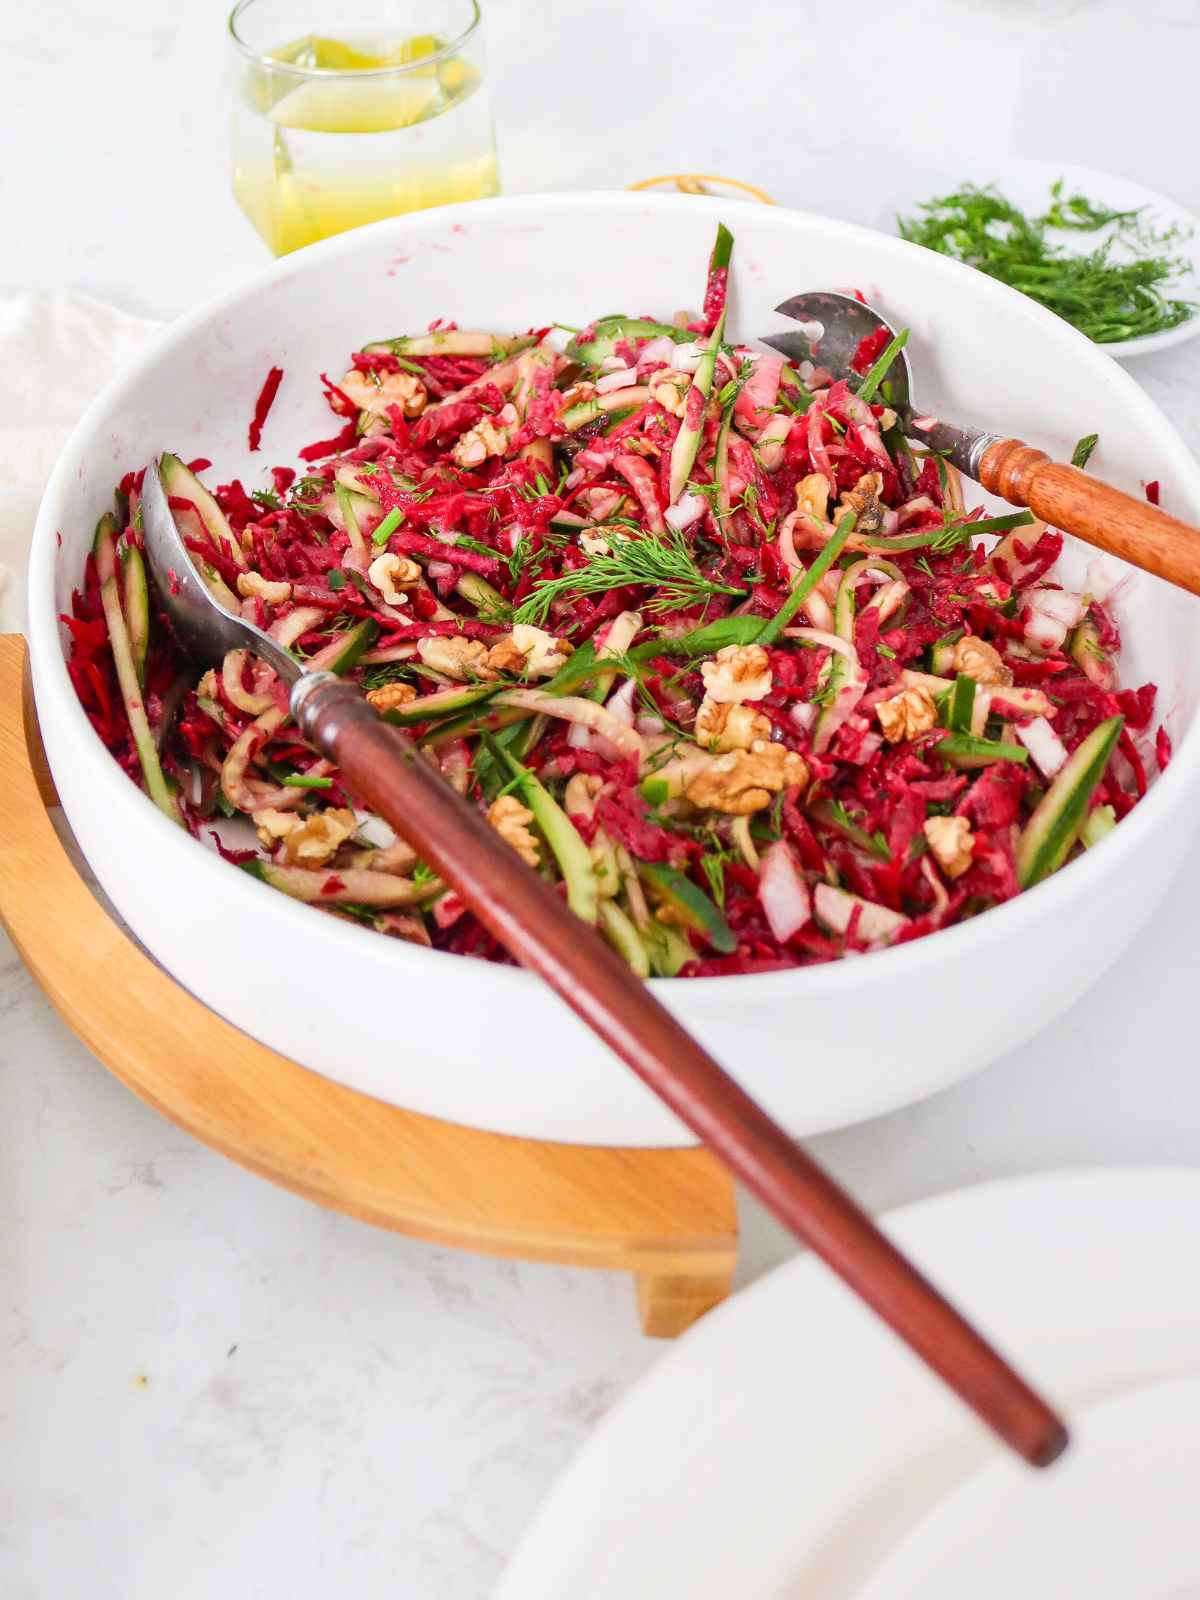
{"points": [[667, 1216]]}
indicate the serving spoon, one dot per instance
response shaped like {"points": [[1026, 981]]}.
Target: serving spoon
{"points": [[385, 770], [1062, 495]]}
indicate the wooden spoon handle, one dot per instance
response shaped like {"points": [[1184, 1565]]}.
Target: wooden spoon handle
{"points": [[383, 768], [1070, 499]]}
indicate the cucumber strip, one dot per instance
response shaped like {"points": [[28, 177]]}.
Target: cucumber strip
{"points": [[343, 653], [687, 441], [607, 332], [181, 482], [1101, 820], [704, 641], [721, 456], [690, 904], [1052, 830], [869, 386], [965, 751], [485, 597], [560, 833], [941, 653], [345, 502], [358, 885], [429, 706], [790, 379], [962, 704], [452, 342], [623, 936], [1091, 655], [105, 550], [668, 950], [135, 596]]}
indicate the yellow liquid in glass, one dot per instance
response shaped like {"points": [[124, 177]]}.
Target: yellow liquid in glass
{"points": [[313, 157]]}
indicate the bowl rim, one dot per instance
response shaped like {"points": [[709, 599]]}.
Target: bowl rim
{"points": [[1165, 798]]}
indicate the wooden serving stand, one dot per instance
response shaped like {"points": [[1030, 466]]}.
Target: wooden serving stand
{"points": [[667, 1216]]}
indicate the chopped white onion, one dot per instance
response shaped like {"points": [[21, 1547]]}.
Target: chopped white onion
{"points": [[806, 370], [657, 351], [648, 724], [835, 908], [373, 830], [620, 703], [687, 357], [615, 378], [440, 569], [1053, 612], [687, 509], [803, 713], [1044, 745], [782, 892], [924, 423], [579, 737]]}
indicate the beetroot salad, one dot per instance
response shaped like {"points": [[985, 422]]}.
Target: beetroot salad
{"points": [[712, 646]]}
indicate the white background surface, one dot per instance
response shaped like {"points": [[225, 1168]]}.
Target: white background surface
{"points": [[207, 1386]]}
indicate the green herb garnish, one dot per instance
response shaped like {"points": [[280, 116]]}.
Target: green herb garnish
{"points": [[1082, 452], [1109, 293], [665, 563]]}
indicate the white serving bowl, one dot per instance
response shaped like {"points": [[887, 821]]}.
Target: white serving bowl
{"points": [[487, 1045]]}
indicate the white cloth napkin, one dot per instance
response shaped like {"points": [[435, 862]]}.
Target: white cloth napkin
{"points": [[57, 351]]}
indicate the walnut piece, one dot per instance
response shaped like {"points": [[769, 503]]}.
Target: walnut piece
{"points": [[252, 585], [455, 657], [374, 394], [725, 727], [743, 781], [307, 841], [529, 652], [670, 390], [906, 715], [478, 443], [391, 575], [864, 501], [736, 673], [511, 821], [977, 659], [951, 841], [812, 495], [391, 696]]}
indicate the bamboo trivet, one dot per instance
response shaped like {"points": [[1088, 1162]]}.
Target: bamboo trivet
{"points": [[667, 1216]]}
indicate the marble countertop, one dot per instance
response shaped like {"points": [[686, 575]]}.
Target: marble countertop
{"points": [[208, 1386]]}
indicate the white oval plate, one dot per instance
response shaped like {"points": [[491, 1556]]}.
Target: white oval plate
{"points": [[789, 1446], [1117, 1521], [1027, 184]]}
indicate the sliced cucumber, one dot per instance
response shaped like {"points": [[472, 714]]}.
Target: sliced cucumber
{"points": [[620, 932], [485, 597], [105, 551], [1052, 830], [343, 653], [1101, 820], [965, 751], [962, 704], [430, 706], [135, 598], [689, 904], [687, 441], [941, 653], [560, 833], [183, 483], [607, 333], [668, 950]]}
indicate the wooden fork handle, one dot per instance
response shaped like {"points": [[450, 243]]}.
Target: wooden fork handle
{"points": [[1070, 499], [383, 768]]}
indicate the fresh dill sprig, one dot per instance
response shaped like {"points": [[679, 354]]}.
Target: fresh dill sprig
{"points": [[1122, 289], [665, 564]]}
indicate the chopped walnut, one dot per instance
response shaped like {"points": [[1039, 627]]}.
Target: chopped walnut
{"points": [[725, 727], [528, 651], [272, 825], [576, 395], [456, 657], [736, 673], [478, 443], [864, 501], [309, 841], [743, 781], [670, 390], [981, 661], [511, 821], [505, 657], [208, 685], [906, 715], [252, 585], [812, 495], [391, 696], [403, 389], [951, 841], [391, 575], [594, 544], [581, 791]]}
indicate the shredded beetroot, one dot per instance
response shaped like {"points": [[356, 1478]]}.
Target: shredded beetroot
{"points": [[1152, 491], [266, 399], [513, 549]]}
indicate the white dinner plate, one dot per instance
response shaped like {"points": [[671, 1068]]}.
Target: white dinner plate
{"points": [[790, 1448], [1027, 184]]}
